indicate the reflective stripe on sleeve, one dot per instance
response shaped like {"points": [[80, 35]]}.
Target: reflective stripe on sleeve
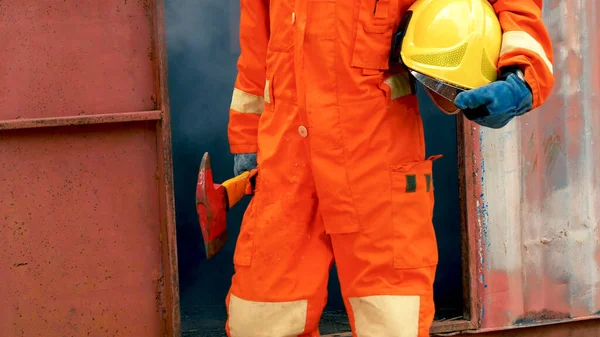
{"points": [[244, 102], [399, 85], [522, 40]]}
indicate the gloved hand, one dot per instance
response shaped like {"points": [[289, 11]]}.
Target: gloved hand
{"points": [[495, 104], [244, 162]]}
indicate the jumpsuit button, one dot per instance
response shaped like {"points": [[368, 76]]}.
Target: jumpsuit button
{"points": [[303, 131], [293, 18]]}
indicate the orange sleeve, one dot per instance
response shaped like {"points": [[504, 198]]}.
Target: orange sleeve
{"points": [[526, 43], [247, 101]]}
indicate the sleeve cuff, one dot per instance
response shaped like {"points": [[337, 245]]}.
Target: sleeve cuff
{"points": [[243, 148]]}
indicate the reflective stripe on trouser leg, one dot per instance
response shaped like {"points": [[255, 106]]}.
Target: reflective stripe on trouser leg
{"points": [[269, 319], [386, 315], [391, 315], [407, 310]]}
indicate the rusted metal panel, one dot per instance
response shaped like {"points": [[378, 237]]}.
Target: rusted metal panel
{"points": [[79, 243], [87, 229], [168, 237], [533, 191], [64, 58]]}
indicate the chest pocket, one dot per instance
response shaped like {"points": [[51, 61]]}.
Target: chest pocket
{"points": [[376, 22]]}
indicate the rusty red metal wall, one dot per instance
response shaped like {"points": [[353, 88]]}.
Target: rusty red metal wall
{"points": [[87, 234], [533, 191]]}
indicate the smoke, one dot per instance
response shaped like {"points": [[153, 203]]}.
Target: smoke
{"points": [[202, 42], [202, 51], [197, 26]]}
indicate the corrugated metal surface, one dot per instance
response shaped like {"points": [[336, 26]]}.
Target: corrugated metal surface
{"points": [[87, 233], [534, 189]]}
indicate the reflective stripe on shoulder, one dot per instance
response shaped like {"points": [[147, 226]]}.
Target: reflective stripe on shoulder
{"points": [[399, 85], [244, 102], [276, 319], [386, 315], [522, 40]]}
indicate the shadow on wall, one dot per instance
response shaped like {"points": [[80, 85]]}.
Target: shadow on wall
{"points": [[202, 41]]}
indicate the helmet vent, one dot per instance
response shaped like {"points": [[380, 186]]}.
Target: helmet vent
{"points": [[447, 59], [487, 68]]}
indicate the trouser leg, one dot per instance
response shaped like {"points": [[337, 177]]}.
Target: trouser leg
{"points": [[282, 289], [283, 256], [387, 269]]}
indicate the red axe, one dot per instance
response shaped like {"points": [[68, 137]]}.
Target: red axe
{"points": [[214, 200]]}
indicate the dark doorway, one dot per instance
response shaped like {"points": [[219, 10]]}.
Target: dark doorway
{"points": [[202, 40]]}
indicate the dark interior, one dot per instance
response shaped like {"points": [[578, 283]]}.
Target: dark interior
{"points": [[202, 39]]}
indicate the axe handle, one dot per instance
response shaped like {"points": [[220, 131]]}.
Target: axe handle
{"points": [[239, 186]]}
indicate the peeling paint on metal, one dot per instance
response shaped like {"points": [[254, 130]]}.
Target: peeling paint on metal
{"points": [[537, 214]]}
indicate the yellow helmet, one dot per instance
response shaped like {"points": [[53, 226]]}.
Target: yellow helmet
{"points": [[451, 46]]}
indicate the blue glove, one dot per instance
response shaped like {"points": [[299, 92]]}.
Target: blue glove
{"points": [[244, 162], [495, 104]]}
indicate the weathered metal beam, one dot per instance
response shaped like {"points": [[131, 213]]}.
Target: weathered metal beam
{"points": [[30, 123]]}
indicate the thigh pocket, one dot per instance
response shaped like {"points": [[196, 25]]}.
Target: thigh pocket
{"points": [[414, 238]]}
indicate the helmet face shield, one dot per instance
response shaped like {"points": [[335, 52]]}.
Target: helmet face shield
{"points": [[442, 94], [446, 90]]}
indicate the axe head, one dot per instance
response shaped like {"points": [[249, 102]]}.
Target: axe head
{"points": [[211, 205]]}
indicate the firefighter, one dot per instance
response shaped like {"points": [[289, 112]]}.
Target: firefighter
{"points": [[337, 137]]}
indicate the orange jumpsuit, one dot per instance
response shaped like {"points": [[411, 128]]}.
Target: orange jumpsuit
{"points": [[342, 167]]}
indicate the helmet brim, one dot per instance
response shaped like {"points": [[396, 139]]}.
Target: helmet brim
{"points": [[441, 93]]}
